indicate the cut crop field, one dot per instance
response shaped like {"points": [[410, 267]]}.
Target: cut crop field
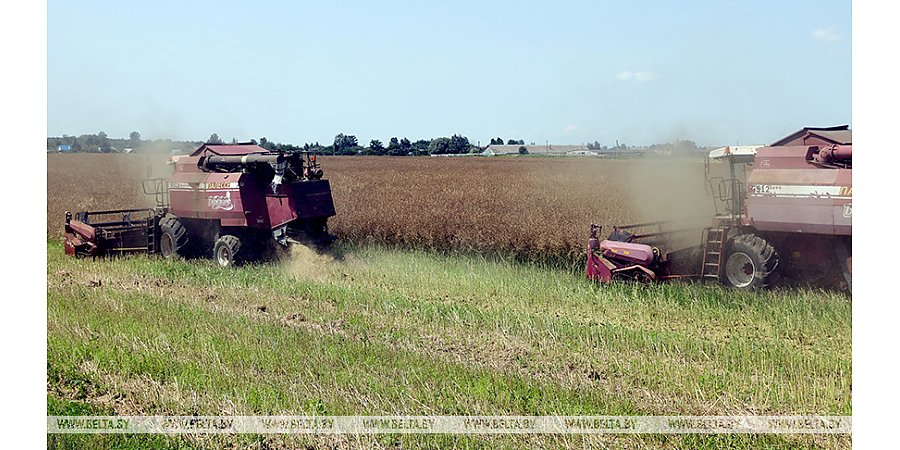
{"points": [[390, 331], [396, 324]]}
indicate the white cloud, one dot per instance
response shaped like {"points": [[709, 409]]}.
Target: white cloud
{"points": [[646, 76], [829, 34], [627, 75], [624, 75], [570, 129]]}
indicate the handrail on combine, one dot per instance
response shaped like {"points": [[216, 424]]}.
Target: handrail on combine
{"points": [[659, 228], [158, 188], [125, 214]]}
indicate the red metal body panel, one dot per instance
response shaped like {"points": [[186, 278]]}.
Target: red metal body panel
{"points": [[628, 251], [220, 196], [790, 157], [224, 149], [787, 193], [598, 269], [301, 200], [240, 200], [82, 229]]}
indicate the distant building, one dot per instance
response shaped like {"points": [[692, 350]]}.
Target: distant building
{"points": [[63, 148], [582, 153], [546, 149], [492, 151]]}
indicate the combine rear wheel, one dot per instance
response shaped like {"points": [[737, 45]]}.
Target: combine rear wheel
{"points": [[750, 262], [227, 251], [173, 237]]}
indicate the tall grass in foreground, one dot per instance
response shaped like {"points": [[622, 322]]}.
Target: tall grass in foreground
{"points": [[388, 331]]}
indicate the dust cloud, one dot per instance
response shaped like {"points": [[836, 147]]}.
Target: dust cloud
{"points": [[671, 190], [153, 161], [305, 262]]}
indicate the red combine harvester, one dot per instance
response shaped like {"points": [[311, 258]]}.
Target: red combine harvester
{"points": [[787, 212], [235, 203]]}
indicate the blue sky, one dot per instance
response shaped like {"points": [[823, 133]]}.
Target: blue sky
{"points": [[568, 72]]}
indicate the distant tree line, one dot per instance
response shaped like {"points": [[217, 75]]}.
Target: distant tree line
{"points": [[102, 143], [343, 144], [499, 141], [348, 144]]}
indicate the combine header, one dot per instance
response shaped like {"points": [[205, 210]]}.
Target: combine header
{"points": [[787, 212], [235, 203]]}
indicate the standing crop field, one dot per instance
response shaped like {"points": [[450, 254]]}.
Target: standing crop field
{"points": [[536, 208]]}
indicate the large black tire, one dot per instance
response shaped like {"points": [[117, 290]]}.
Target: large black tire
{"points": [[227, 251], [750, 263], [173, 238]]}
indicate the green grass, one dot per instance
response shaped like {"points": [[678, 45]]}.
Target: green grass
{"points": [[389, 331]]}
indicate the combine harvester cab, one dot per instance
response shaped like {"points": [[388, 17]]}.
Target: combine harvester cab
{"points": [[783, 211], [235, 203]]}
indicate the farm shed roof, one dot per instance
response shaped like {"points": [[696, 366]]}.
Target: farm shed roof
{"points": [[229, 149], [842, 135], [734, 150], [551, 149]]}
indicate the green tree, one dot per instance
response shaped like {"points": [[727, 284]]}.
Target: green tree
{"points": [[135, 138], [394, 148], [459, 144], [376, 147], [345, 144], [267, 144], [439, 146], [214, 139], [103, 142], [523, 150], [393, 144]]}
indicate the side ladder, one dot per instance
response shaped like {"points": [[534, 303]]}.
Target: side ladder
{"points": [[713, 251], [151, 234]]}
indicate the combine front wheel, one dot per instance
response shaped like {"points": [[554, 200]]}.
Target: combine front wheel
{"points": [[227, 250], [750, 262], [173, 238]]}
